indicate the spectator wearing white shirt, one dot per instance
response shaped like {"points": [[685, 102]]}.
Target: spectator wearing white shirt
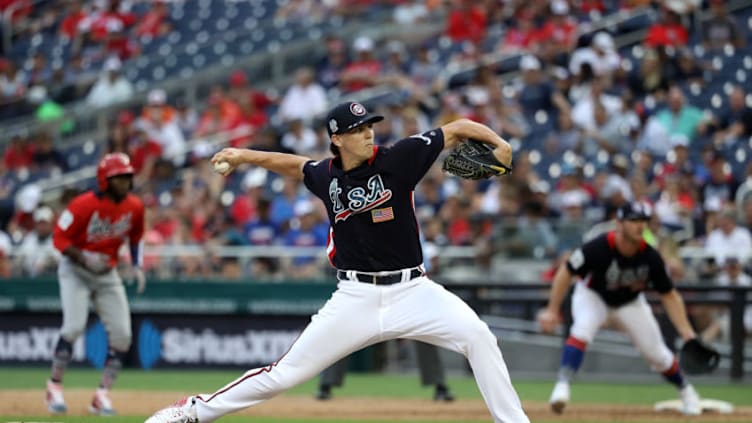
{"points": [[732, 275], [600, 54], [728, 239], [305, 99], [36, 254], [111, 87]]}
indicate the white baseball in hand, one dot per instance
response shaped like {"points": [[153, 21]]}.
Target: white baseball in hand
{"points": [[221, 167]]}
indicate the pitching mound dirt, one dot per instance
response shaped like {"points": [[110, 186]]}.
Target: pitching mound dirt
{"points": [[127, 403]]}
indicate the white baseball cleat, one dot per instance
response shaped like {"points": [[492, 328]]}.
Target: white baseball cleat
{"points": [[54, 399], [101, 404], [183, 411], [559, 397], [690, 401]]}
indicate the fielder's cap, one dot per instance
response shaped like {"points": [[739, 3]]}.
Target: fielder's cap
{"points": [[634, 211], [348, 116]]}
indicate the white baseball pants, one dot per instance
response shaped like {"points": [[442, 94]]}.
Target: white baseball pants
{"points": [[360, 314], [589, 312]]}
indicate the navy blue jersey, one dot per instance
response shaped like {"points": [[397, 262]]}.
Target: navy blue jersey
{"points": [[372, 219], [618, 279]]}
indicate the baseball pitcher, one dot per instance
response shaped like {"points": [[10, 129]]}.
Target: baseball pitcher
{"points": [[382, 291], [88, 234]]}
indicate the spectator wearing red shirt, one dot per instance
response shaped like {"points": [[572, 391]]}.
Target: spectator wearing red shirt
{"points": [[19, 154], [466, 22], [518, 37], [558, 35], [240, 86], [668, 32], [107, 20], [364, 70], [69, 27], [154, 23], [251, 120]]}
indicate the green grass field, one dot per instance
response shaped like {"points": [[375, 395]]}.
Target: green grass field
{"points": [[371, 385]]}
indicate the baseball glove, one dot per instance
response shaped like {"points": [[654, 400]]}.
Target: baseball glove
{"points": [[474, 160], [696, 358]]}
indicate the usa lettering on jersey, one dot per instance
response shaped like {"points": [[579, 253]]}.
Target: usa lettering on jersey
{"points": [[635, 278], [102, 228], [359, 199]]}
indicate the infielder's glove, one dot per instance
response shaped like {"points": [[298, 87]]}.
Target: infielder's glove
{"points": [[474, 160], [695, 357]]}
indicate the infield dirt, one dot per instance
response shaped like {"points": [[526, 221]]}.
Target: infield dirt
{"points": [[132, 403]]}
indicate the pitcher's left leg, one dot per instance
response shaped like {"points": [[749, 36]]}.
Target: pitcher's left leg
{"points": [[450, 323]]}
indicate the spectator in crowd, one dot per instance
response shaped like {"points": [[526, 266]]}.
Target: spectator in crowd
{"points": [[677, 118], [732, 275], [364, 70], [600, 54], [307, 232], [301, 139], [155, 22], [240, 86], [558, 34], [728, 239], [519, 35], [650, 77], [467, 21], [720, 183], [13, 86], [535, 90], [330, 67], [46, 157], [668, 32], [260, 231], [36, 254], [159, 121], [735, 121], [305, 99], [112, 87], [19, 153], [721, 30]]}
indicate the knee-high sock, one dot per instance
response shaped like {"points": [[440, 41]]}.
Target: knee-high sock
{"points": [[674, 375], [60, 359], [111, 367], [571, 358]]}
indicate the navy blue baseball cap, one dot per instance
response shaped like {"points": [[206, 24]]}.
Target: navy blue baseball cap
{"points": [[348, 116], [634, 211]]}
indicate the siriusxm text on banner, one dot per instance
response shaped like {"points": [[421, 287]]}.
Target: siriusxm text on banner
{"points": [[158, 340]]}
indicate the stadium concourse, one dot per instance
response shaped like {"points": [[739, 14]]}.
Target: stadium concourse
{"points": [[603, 101]]}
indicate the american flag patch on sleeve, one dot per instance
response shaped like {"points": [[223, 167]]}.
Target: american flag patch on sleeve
{"points": [[382, 215]]}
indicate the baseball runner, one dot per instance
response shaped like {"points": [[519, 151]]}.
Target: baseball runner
{"points": [[429, 364], [88, 234], [382, 291], [615, 268]]}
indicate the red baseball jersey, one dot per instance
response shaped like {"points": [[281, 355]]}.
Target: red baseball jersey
{"points": [[93, 222]]}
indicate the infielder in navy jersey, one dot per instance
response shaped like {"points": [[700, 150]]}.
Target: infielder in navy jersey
{"points": [[613, 271], [89, 234], [382, 291]]}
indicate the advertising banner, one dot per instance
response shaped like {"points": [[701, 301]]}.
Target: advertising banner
{"points": [[159, 340]]}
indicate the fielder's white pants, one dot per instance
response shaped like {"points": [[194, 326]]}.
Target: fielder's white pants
{"points": [[589, 312], [360, 314]]}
